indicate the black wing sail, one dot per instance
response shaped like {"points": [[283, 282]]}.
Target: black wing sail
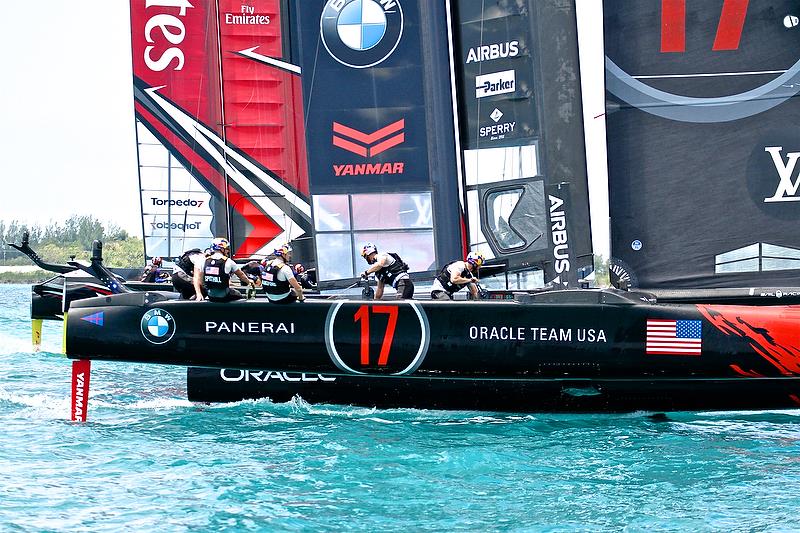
{"points": [[703, 142]]}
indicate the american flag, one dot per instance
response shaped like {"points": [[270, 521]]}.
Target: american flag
{"points": [[674, 337]]}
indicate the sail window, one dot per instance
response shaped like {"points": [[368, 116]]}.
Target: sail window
{"points": [[332, 212], [376, 211], [401, 223], [499, 206], [516, 216], [490, 165], [759, 257], [335, 254]]}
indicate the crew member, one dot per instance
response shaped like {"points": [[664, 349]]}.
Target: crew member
{"points": [[278, 279], [215, 274], [390, 269], [153, 273], [303, 276], [183, 276], [253, 270], [456, 276]]}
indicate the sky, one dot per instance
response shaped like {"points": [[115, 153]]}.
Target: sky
{"points": [[67, 138]]}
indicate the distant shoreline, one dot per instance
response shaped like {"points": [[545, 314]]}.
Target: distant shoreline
{"points": [[23, 274]]}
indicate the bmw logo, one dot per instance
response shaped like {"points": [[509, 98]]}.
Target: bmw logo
{"points": [[361, 33], [158, 326]]}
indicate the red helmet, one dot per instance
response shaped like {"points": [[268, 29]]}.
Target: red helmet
{"points": [[156, 261]]}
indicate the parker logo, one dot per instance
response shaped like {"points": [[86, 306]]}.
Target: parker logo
{"points": [[495, 83], [361, 33], [371, 144], [787, 188]]}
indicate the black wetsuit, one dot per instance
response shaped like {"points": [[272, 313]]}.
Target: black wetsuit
{"points": [[253, 271], [450, 288], [389, 274], [182, 278]]}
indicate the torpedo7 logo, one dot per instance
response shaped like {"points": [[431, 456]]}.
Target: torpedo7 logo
{"points": [[368, 145]]}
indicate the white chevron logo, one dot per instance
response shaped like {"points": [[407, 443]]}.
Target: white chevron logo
{"points": [[223, 155]]}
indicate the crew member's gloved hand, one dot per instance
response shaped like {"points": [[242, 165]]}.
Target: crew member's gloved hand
{"points": [[364, 275]]}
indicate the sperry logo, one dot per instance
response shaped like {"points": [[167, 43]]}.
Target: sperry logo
{"points": [[787, 188], [368, 144]]}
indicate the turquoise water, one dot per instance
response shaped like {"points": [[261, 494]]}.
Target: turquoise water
{"points": [[148, 460]]}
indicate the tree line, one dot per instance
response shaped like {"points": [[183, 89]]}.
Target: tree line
{"points": [[59, 242], [78, 229]]}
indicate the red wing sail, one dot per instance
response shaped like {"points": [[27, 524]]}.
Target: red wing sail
{"points": [[209, 167]]}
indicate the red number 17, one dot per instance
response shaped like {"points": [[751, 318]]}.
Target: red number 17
{"points": [[729, 30], [362, 315]]}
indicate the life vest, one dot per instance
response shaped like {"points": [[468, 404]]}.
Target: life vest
{"points": [[272, 285], [449, 286], [389, 274], [214, 275], [185, 262]]}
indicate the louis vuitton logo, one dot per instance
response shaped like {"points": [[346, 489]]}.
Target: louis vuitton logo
{"points": [[787, 188]]}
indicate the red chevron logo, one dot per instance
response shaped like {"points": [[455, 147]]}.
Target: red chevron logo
{"points": [[369, 144]]}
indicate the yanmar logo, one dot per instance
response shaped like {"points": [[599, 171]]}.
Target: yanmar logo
{"points": [[368, 145]]}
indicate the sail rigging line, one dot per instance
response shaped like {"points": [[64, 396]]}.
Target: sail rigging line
{"points": [[708, 74], [462, 192], [228, 230]]}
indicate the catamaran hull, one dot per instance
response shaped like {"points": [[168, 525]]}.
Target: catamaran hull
{"points": [[584, 350], [232, 385]]}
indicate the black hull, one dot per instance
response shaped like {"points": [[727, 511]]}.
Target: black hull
{"points": [[225, 385], [561, 350], [50, 299]]}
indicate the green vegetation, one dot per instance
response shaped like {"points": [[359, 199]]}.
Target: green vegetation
{"points": [[57, 243], [602, 275], [37, 276]]}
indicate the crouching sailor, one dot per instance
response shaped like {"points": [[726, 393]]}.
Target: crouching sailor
{"points": [[183, 275], [278, 279], [153, 272], [456, 276], [254, 270], [389, 269], [215, 274]]}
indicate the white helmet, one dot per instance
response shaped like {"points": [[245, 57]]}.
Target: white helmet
{"points": [[368, 249], [475, 258]]}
